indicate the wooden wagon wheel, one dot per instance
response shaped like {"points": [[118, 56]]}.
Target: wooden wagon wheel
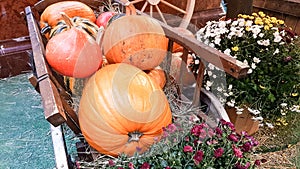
{"points": [[184, 9]]}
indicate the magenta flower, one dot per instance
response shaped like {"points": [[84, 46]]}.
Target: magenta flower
{"points": [[246, 147], [237, 152], [111, 163], [198, 157], [196, 130], [202, 133], [210, 142], [240, 166], [211, 133], [223, 122], [145, 165], [219, 130], [233, 138], [257, 162], [231, 126], [168, 167], [130, 165], [172, 128], [218, 152], [188, 148]]}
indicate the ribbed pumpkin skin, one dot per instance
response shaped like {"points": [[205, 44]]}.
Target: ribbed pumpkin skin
{"points": [[136, 40], [74, 53], [120, 99], [51, 15], [158, 75]]}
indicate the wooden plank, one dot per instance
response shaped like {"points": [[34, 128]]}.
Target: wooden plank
{"points": [[53, 108], [291, 21], [71, 116], [297, 27], [279, 6], [230, 65]]}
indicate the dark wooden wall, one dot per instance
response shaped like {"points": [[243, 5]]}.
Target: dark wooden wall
{"points": [[287, 10], [13, 24]]}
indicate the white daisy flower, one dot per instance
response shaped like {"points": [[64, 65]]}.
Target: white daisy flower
{"points": [[256, 60]]}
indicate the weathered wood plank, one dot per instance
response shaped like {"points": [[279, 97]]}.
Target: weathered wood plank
{"points": [[53, 108], [280, 6], [14, 59], [230, 65]]}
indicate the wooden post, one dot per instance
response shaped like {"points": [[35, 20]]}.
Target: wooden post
{"points": [[235, 7]]}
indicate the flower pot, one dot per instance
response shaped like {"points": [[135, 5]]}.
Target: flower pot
{"points": [[242, 122]]}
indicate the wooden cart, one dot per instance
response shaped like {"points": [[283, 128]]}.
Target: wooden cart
{"points": [[56, 98]]}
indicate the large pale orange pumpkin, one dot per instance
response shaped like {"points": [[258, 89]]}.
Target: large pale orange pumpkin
{"points": [[122, 110], [136, 40], [74, 53]]}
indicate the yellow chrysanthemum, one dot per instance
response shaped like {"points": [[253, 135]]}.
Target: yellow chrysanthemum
{"points": [[257, 21], [281, 22], [251, 17], [294, 94], [266, 27], [236, 48], [262, 14], [267, 21], [254, 14], [247, 28], [270, 25], [273, 19]]}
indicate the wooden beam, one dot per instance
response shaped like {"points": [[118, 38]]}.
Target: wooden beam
{"points": [[53, 108], [230, 65]]}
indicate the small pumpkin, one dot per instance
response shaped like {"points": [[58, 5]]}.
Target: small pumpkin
{"points": [[74, 53], [122, 110], [82, 23], [158, 75], [51, 15], [135, 39]]}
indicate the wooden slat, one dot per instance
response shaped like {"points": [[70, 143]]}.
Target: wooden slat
{"points": [[53, 108], [279, 6], [230, 65]]}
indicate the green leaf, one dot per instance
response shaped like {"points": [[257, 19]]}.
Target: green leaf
{"points": [[271, 97]]}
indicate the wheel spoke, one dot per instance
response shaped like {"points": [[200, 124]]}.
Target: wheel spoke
{"points": [[160, 14], [136, 1], [144, 6], [151, 10], [173, 6]]}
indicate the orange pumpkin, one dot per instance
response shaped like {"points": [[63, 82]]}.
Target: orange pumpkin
{"points": [[136, 40], [74, 53], [158, 75], [51, 15], [122, 110]]}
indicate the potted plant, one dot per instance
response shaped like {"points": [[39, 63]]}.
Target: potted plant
{"points": [[271, 49], [192, 144]]}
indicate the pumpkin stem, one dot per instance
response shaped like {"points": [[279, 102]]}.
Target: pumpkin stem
{"points": [[67, 19], [134, 136]]}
